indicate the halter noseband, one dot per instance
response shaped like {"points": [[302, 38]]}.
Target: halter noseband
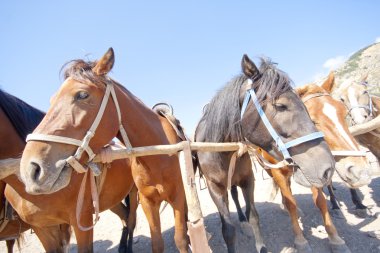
{"points": [[83, 145], [282, 147]]}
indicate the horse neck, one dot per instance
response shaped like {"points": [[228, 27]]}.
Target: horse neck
{"points": [[143, 126]]}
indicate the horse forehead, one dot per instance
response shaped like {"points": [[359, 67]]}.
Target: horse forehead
{"points": [[352, 94]]}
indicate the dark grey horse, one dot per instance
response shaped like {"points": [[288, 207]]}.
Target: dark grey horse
{"points": [[222, 122]]}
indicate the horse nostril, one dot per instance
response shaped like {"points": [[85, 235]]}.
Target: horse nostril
{"points": [[35, 171]]}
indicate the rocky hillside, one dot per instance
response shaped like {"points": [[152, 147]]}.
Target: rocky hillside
{"points": [[364, 62]]}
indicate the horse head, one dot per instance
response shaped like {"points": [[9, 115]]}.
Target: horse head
{"points": [[79, 122], [357, 98], [296, 137], [328, 115]]}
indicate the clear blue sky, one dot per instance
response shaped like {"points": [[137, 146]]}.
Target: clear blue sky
{"points": [[180, 52]]}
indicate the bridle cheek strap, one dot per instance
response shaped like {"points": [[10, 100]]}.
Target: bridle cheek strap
{"points": [[282, 147]]}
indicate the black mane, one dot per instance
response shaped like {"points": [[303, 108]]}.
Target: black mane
{"points": [[221, 118], [23, 116]]}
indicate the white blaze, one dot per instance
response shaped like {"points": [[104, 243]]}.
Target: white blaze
{"points": [[330, 112], [355, 112]]}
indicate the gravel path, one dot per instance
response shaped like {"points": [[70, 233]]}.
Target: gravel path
{"points": [[275, 224]]}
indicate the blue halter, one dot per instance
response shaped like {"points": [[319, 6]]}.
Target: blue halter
{"points": [[283, 147]]}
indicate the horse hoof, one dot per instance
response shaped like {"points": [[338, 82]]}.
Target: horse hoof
{"points": [[362, 213], [303, 247], [288, 250], [246, 229], [337, 213], [339, 248]]}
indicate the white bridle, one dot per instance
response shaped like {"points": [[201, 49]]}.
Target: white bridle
{"points": [[83, 145]]}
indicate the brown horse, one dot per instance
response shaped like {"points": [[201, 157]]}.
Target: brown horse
{"points": [[74, 108], [361, 107], [11, 145], [18, 119], [226, 120], [329, 116]]}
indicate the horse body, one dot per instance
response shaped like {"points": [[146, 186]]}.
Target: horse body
{"points": [[9, 135], [222, 122], [44, 168]]}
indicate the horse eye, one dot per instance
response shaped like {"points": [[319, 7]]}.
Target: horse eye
{"points": [[81, 95], [280, 107], [341, 99]]}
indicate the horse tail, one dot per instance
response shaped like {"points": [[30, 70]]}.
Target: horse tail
{"points": [[165, 110], [274, 192], [20, 240]]}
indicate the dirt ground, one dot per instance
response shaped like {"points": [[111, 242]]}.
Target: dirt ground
{"points": [[275, 224]]}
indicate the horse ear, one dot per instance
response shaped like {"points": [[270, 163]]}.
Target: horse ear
{"points": [[105, 64], [329, 83], [302, 90], [248, 66]]}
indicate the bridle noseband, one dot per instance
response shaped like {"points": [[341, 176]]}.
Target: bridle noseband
{"points": [[282, 147]]}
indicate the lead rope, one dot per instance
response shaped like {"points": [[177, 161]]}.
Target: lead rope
{"points": [[95, 200]]}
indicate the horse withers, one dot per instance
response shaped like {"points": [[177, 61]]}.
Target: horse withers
{"points": [[231, 117], [88, 111]]}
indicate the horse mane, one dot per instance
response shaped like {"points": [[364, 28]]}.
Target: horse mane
{"points": [[23, 116], [222, 115], [310, 88]]}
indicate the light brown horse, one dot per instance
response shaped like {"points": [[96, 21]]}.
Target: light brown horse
{"points": [[18, 119], [362, 106], [329, 116], [73, 110]]}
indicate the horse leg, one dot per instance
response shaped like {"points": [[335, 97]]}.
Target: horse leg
{"points": [[251, 213], [234, 195], [335, 212], [336, 242], [123, 212], [10, 244], [220, 197], [151, 210], [180, 235], [127, 215], [54, 239], [290, 203], [360, 209]]}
